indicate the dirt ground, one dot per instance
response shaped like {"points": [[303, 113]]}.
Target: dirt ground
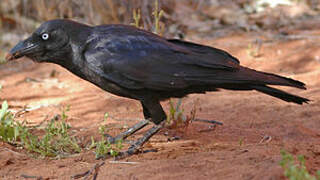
{"points": [[256, 126]]}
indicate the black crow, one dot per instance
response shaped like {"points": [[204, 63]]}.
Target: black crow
{"points": [[138, 64]]}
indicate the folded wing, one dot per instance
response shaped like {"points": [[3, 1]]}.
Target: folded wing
{"points": [[139, 60]]}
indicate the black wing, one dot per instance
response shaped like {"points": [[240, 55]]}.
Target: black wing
{"points": [[137, 59]]}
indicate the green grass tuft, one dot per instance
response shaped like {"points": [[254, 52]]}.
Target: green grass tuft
{"points": [[103, 147], [296, 171], [56, 141]]}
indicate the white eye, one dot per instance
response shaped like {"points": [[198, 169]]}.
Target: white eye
{"points": [[45, 36]]}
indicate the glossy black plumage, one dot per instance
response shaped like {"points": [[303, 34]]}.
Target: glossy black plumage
{"points": [[137, 64]]}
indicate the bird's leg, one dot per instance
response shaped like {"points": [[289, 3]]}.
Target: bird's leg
{"points": [[139, 143], [151, 108], [133, 129], [128, 132]]}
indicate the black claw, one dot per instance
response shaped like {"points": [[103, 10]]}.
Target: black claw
{"points": [[209, 121], [125, 154], [127, 133], [150, 150], [110, 138]]}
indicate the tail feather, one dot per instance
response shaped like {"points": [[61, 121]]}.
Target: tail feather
{"points": [[280, 94], [271, 79], [292, 82]]}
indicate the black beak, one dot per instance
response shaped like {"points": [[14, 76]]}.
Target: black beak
{"points": [[23, 48]]}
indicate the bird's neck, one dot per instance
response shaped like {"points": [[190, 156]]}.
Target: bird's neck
{"points": [[74, 61]]}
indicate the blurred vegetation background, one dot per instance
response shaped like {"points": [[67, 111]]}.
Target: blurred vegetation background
{"points": [[212, 18]]}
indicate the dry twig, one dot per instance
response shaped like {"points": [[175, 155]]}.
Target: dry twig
{"points": [[122, 162]]}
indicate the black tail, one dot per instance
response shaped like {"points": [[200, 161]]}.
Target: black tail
{"points": [[263, 78], [280, 94]]}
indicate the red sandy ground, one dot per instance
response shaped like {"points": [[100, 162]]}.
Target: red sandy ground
{"points": [[201, 153]]}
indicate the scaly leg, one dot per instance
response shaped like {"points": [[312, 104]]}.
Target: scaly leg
{"points": [[139, 143], [133, 129], [127, 133]]}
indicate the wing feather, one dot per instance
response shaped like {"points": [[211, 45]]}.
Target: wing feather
{"points": [[137, 59]]}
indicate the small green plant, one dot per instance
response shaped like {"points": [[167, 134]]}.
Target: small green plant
{"points": [[137, 18], [157, 14], [9, 129], [254, 48], [253, 51], [241, 141], [105, 117], [103, 147], [296, 171], [115, 150], [175, 115], [2, 58], [64, 116], [56, 141]]}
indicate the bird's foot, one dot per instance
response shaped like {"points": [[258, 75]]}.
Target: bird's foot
{"points": [[209, 121], [127, 133], [137, 145]]}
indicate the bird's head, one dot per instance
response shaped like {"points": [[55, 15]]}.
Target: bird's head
{"points": [[51, 42]]}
